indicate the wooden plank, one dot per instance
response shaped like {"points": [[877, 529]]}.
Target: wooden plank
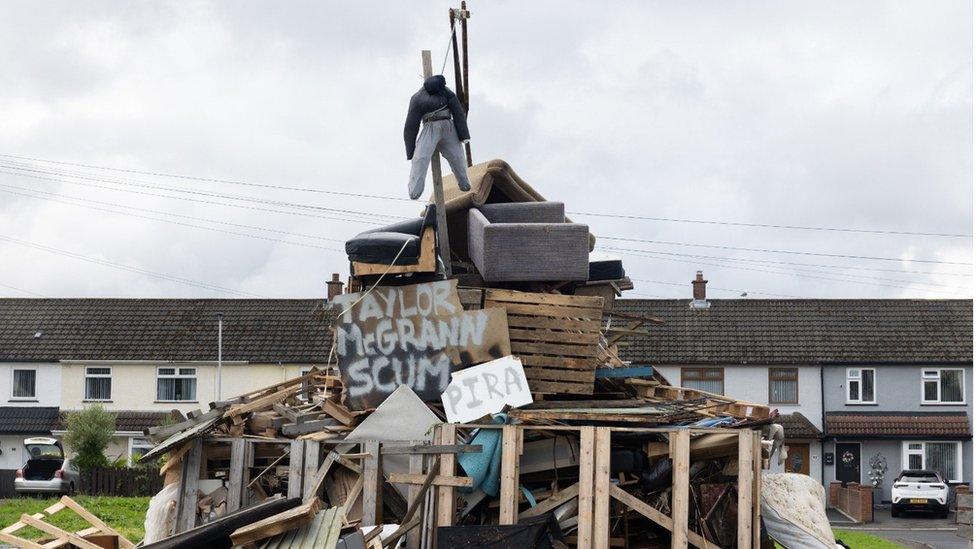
{"points": [[372, 485], [447, 435], [577, 325], [551, 502], [296, 458], [562, 387], [339, 412], [555, 374], [581, 351], [267, 401], [433, 448], [756, 486], [312, 488], [20, 542], [557, 362], [235, 486], [550, 336], [416, 467], [186, 516], [310, 466], [276, 524], [64, 535], [509, 496], [294, 429], [658, 517], [174, 458], [556, 311], [744, 516], [586, 488], [681, 444], [419, 478], [601, 487], [586, 302]]}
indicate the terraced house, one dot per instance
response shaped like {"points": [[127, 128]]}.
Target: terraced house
{"points": [[142, 359], [859, 383]]}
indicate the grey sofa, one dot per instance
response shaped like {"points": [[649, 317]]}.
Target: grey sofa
{"points": [[527, 241]]}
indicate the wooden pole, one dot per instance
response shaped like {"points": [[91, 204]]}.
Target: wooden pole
{"points": [[756, 486], [445, 494], [508, 507], [372, 485], [465, 14], [444, 245], [584, 528], [235, 486], [186, 513], [601, 488], [681, 443], [744, 510]]}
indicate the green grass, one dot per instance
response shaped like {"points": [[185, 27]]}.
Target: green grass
{"points": [[861, 540], [124, 514]]}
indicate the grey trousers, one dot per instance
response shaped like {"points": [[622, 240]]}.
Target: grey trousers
{"points": [[441, 136]]}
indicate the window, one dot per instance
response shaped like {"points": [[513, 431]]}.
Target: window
{"points": [[944, 457], [943, 386], [176, 384], [98, 383], [783, 385], [711, 380], [137, 447], [860, 386], [24, 384]]}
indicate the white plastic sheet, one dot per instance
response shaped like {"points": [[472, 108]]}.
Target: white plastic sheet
{"points": [[161, 516]]}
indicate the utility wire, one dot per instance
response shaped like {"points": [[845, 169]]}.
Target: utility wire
{"points": [[23, 291], [771, 225], [791, 252], [593, 214], [684, 285], [211, 180], [119, 266], [56, 197], [241, 198]]}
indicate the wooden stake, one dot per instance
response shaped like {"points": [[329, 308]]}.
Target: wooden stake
{"points": [[744, 510], [296, 461], [445, 494], [511, 445], [372, 485], [681, 442], [585, 525], [235, 486], [601, 488], [413, 492], [186, 515], [756, 485], [443, 243]]}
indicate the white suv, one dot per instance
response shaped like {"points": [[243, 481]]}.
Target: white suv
{"points": [[920, 490]]}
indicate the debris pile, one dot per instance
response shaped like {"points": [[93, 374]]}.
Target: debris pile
{"points": [[455, 417]]}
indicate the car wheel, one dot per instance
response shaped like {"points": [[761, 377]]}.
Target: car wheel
{"points": [[71, 489], [894, 512], [944, 513]]}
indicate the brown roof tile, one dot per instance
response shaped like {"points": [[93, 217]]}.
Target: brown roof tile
{"points": [[797, 426], [255, 330], [802, 331], [898, 424]]}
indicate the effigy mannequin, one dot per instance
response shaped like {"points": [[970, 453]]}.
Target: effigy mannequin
{"points": [[445, 129]]}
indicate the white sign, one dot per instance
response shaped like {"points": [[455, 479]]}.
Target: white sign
{"points": [[485, 389]]}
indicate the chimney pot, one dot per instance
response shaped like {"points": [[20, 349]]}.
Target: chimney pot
{"points": [[335, 286]]}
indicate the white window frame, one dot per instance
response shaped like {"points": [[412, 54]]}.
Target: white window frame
{"points": [[957, 474], [13, 384], [860, 387], [109, 376], [938, 386], [177, 374], [148, 445]]}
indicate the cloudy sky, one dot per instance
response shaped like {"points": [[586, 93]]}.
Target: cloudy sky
{"points": [[831, 115]]}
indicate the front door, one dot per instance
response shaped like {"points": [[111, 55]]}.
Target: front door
{"points": [[798, 458], [848, 460]]}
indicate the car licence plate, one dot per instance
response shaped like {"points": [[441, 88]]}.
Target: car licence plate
{"points": [[918, 500]]}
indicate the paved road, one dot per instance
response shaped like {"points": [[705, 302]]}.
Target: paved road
{"points": [[915, 530]]}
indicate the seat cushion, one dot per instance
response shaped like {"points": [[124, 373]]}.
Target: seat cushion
{"points": [[382, 247], [605, 267]]}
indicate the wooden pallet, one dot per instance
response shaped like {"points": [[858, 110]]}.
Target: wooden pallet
{"points": [[556, 336]]}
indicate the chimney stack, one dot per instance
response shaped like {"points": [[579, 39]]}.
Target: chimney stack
{"points": [[335, 286], [698, 287]]}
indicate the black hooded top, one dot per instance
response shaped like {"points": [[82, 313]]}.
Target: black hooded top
{"points": [[433, 96]]}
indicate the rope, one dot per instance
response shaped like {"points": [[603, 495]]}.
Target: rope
{"points": [[378, 280], [448, 49]]}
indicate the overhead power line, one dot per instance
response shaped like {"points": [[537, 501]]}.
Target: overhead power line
{"points": [[401, 199], [791, 252], [772, 225], [119, 266], [686, 284], [23, 291]]}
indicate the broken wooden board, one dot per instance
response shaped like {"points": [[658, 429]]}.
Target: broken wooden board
{"points": [[556, 336], [276, 524], [411, 335]]}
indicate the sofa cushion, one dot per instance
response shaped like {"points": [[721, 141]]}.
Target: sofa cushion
{"points": [[383, 247]]}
